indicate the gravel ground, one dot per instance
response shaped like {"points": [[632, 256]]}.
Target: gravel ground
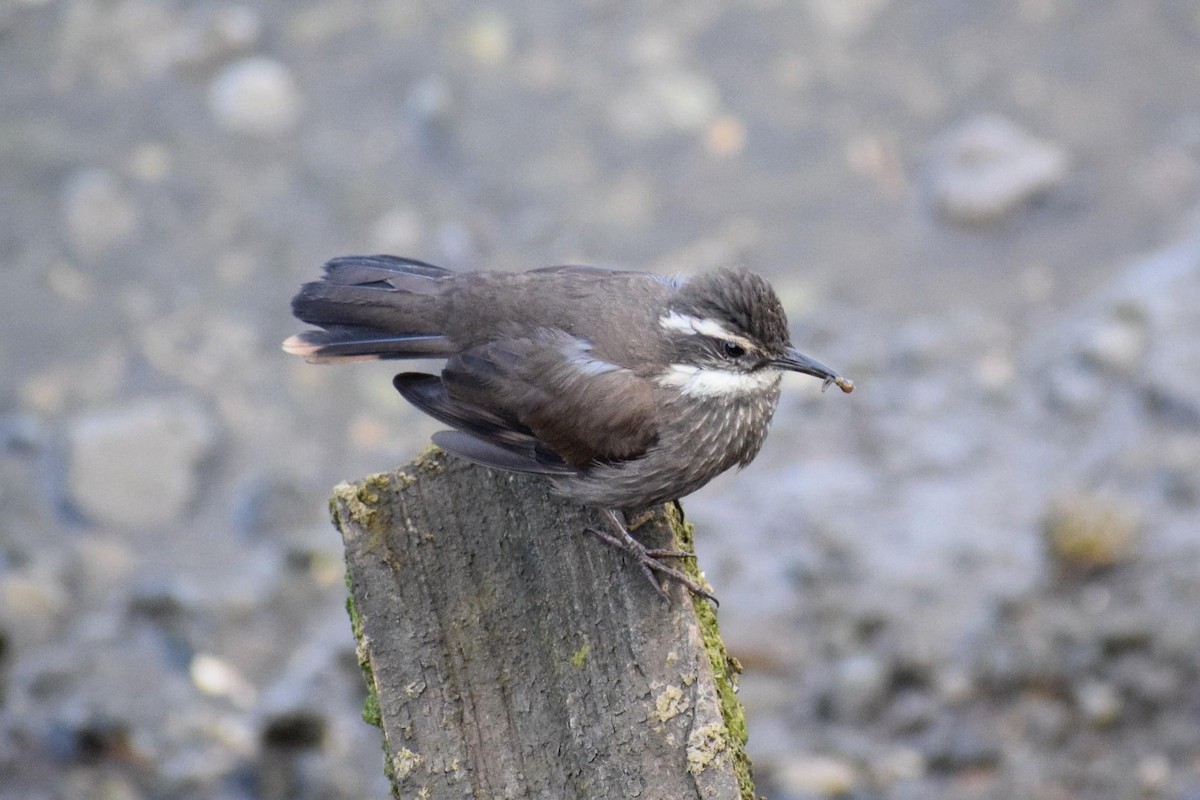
{"points": [[976, 577]]}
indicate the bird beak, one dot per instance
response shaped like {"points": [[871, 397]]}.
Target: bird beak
{"points": [[796, 361]]}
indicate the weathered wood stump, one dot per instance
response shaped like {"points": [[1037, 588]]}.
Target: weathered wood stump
{"points": [[510, 655]]}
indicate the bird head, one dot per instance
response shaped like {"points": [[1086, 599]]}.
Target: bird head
{"points": [[727, 335]]}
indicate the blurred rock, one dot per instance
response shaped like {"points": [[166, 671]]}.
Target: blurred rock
{"points": [[99, 567], [1118, 345], [1089, 533], [910, 712], [137, 466], [220, 678], [488, 38], [151, 162], [845, 19], [816, 775], [70, 284], [860, 687], [164, 600], [397, 231], [988, 168], [33, 603], [22, 433], [900, 764], [671, 101], [957, 743], [272, 506], [201, 348], [1147, 682], [1154, 772], [99, 212], [1075, 389], [102, 737], [1098, 702], [256, 96], [456, 242], [1046, 721], [297, 729], [430, 99]]}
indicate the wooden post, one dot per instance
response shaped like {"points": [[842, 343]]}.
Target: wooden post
{"points": [[508, 654]]}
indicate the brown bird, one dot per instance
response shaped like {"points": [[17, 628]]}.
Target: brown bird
{"points": [[625, 389]]}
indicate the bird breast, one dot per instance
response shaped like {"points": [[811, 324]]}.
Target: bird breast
{"points": [[699, 437]]}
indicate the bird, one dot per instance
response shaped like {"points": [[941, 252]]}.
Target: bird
{"points": [[624, 389]]}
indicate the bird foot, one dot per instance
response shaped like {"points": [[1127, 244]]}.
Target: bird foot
{"points": [[648, 558]]}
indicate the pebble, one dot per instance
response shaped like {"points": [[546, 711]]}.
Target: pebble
{"points": [[33, 603], [988, 168], [295, 729], [99, 566], [1118, 345], [397, 231], [900, 764], [488, 39], [1075, 389], [1098, 702], [236, 27], [674, 101], [201, 349], [256, 96], [430, 100], [275, 507], [1154, 772], [22, 433], [820, 775], [1084, 534], [137, 466], [99, 212], [219, 678], [860, 687], [955, 744]]}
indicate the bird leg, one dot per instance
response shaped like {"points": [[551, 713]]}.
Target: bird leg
{"points": [[648, 558]]}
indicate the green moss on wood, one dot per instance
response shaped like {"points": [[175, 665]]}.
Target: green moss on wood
{"points": [[579, 657], [725, 669]]}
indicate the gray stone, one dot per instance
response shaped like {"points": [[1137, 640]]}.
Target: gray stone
{"points": [[1118, 345], [988, 168], [860, 687], [22, 433], [256, 96], [99, 212], [33, 603], [958, 743], [672, 101], [136, 467], [807, 775], [1098, 702]]}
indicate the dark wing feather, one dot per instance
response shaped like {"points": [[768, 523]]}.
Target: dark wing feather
{"points": [[582, 409], [472, 448], [504, 442]]}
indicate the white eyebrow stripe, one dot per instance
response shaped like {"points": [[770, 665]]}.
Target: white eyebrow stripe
{"points": [[685, 323], [708, 382]]}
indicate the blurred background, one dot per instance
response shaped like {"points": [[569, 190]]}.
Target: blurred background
{"points": [[976, 577]]}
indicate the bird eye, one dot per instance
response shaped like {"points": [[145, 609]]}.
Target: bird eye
{"points": [[733, 349]]}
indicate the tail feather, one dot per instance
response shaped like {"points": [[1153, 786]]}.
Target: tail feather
{"points": [[363, 270], [356, 344], [371, 307]]}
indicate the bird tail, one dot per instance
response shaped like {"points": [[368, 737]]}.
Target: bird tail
{"points": [[371, 307]]}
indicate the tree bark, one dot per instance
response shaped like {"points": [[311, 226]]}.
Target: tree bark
{"points": [[508, 654]]}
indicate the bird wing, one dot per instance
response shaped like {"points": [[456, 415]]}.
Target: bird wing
{"points": [[545, 398]]}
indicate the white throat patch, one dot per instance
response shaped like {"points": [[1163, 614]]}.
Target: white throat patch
{"points": [[696, 381]]}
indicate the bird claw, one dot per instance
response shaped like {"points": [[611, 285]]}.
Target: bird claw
{"points": [[648, 559]]}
